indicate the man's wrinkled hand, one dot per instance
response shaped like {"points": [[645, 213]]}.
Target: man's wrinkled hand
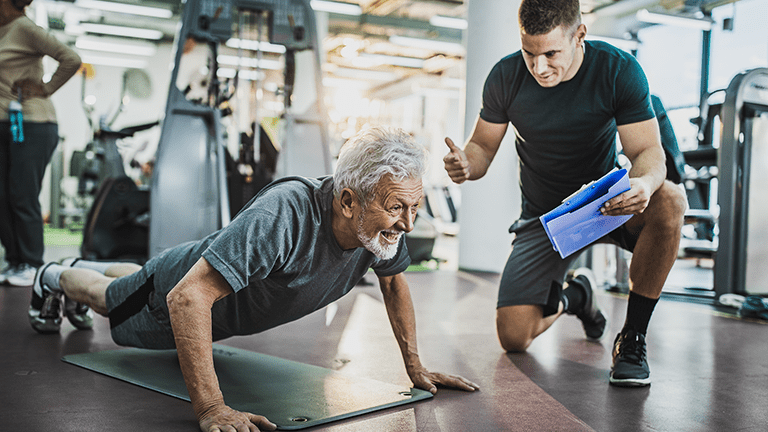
{"points": [[634, 201], [456, 163], [225, 419], [429, 381]]}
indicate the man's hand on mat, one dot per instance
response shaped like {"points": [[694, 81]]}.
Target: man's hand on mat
{"points": [[224, 419], [426, 380]]}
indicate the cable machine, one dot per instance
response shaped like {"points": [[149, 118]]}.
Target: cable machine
{"points": [[189, 196], [742, 255]]}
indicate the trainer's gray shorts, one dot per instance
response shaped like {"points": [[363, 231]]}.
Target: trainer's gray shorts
{"points": [[534, 272], [138, 316]]}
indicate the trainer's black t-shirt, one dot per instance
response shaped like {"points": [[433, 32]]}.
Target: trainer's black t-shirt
{"points": [[566, 135]]}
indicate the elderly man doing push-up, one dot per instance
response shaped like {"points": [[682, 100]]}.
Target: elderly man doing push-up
{"points": [[296, 247]]}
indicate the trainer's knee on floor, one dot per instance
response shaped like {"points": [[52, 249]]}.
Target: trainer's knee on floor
{"points": [[516, 326], [513, 337], [514, 343]]}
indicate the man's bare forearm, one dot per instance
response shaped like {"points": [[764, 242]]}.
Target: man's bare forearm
{"points": [[402, 318], [397, 299], [479, 160], [650, 165], [191, 322]]}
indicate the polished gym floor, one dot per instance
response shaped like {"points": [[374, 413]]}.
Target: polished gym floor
{"points": [[709, 368]]}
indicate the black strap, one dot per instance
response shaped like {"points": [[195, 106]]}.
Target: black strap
{"points": [[133, 304]]}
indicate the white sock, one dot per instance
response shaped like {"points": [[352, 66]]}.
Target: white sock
{"points": [[50, 277], [98, 266]]}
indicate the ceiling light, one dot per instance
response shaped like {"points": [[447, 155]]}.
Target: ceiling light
{"points": [[346, 84], [249, 62], [410, 62], [348, 51], [115, 45], [448, 22], [438, 92], [430, 44], [113, 61], [255, 45], [674, 20], [115, 31], [124, 8], [363, 74], [336, 7], [438, 63]]}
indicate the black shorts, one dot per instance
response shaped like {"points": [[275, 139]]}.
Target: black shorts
{"points": [[138, 315], [535, 272]]}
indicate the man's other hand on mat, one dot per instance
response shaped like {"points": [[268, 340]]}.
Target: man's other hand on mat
{"points": [[426, 380], [222, 418]]}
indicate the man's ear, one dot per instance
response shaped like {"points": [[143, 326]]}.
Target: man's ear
{"points": [[348, 201], [581, 33]]}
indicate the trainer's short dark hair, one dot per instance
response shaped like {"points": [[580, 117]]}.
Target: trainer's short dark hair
{"points": [[539, 17]]}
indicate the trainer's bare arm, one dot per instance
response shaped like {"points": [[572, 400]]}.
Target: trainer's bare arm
{"points": [[642, 145], [473, 161], [397, 299], [189, 303]]}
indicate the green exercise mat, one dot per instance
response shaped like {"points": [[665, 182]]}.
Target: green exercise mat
{"points": [[292, 395]]}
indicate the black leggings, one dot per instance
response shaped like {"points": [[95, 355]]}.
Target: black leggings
{"points": [[22, 167]]}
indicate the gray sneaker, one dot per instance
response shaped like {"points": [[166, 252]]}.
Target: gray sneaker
{"points": [[45, 307], [22, 275], [79, 314]]}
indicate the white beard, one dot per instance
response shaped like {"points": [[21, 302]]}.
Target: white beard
{"points": [[376, 246]]}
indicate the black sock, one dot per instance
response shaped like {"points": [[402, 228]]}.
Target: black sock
{"points": [[573, 298], [639, 311]]}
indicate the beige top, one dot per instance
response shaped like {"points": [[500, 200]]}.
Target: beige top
{"points": [[23, 45]]}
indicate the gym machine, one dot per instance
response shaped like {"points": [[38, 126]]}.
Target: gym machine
{"points": [[116, 225], [197, 186], [189, 196], [741, 259]]}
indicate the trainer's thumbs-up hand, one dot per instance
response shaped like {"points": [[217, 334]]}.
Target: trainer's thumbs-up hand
{"points": [[456, 163]]}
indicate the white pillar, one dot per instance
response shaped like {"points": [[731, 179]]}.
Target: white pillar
{"points": [[491, 204]]}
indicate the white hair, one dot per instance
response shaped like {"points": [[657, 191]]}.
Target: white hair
{"points": [[373, 153]]}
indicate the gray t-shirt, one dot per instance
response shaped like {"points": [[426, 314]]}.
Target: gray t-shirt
{"points": [[280, 256]]}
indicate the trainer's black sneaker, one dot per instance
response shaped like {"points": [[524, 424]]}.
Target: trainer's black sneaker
{"points": [[630, 366], [79, 314], [45, 307], [592, 319]]}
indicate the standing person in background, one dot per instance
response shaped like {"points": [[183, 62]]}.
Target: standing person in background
{"points": [[23, 45]]}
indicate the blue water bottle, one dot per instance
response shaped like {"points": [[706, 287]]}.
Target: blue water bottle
{"points": [[17, 120]]}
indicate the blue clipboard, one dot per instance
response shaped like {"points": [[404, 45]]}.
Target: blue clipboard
{"points": [[577, 222]]}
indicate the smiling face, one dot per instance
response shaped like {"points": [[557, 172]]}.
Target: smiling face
{"points": [[389, 215], [553, 57]]}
